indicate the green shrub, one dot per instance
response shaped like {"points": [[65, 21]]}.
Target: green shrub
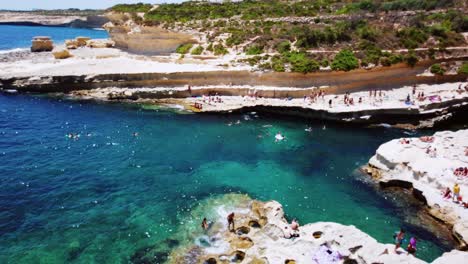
{"points": [[437, 69], [345, 61], [324, 63], [283, 46], [412, 37], [396, 58], [385, 61], [184, 48], [300, 62], [219, 49], [197, 51], [131, 8], [210, 47], [254, 50], [463, 69], [411, 58]]}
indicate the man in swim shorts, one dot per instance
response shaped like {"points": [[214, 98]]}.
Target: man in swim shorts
{"points": [[399, 236]]}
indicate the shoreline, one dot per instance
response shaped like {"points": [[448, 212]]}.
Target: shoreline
{"points": [[409, 170], [262, 235], [440, 103]]}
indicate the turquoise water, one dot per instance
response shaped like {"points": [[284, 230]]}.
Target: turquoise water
{"points": [[106, 196], [13, 37]]}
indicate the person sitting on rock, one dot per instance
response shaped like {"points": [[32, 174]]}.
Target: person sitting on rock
{"points": [[447, 193], [295, 225]]}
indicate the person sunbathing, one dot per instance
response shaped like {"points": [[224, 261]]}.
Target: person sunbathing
{"points": [[448, 193], [404, 141], [427, 139]]}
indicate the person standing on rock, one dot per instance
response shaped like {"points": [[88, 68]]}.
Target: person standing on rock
{"points": [[399, 236], [456, 192], [204, 224], [230, 219], [412, 246]]}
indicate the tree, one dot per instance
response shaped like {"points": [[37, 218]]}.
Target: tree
{"points": [[345, 61]]}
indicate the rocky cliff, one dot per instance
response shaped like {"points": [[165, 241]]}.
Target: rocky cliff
{"points": [[137, 38]]}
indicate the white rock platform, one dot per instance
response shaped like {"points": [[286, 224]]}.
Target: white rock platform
{"points": [[429, 167]]}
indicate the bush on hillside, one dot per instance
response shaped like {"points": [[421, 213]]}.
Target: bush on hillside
{"points": [[184, 48], [283, 46], [345, 61], [411, 58], [219, 49], [253, 50], [132, 8], [197, 51], [463, 69], [437, 69]]}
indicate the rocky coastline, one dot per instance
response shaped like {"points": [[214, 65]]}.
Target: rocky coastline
{"points": [[78, 20], [263, 235], [427, 166]]}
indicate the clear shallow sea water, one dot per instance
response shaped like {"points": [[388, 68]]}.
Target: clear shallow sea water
{"points": [[14, 37], [107, 196]]}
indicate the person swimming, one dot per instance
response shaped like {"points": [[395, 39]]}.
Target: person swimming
{"points": [[279, 137], [309, 129]]}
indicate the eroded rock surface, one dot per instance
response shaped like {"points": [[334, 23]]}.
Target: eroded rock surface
{"points": [[428, 165], [262, 235]]}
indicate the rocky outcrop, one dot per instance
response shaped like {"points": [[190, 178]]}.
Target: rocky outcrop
{"points": [[262, 235], [142, 39], [61, 54], [41, 44], [428, 166]]}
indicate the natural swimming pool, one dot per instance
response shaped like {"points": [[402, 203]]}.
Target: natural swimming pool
{"points": [[106, 195]]}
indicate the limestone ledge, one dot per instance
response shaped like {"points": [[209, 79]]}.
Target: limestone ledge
{"points": [[260, 237], [33, 18], [428, 174], [372, 110]]}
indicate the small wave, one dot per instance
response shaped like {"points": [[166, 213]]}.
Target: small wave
{"points": [[13, 50]]}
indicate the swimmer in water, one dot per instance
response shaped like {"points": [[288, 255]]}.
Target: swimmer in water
{"points": [[279, 137], [135, 134], [309, 129]]}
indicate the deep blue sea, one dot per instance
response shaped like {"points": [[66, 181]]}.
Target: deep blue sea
{"points": [[107, 196], [13, 37]]}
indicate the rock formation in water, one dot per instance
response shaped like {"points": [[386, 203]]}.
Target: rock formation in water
{"points": [[428, 166]]}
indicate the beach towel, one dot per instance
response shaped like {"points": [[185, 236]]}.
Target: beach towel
{"points": [[325, 255]]}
